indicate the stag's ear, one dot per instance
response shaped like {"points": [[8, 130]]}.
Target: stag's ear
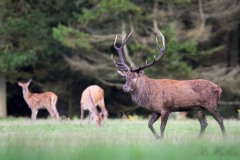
{"points": [[122, 73], [140, 73]]}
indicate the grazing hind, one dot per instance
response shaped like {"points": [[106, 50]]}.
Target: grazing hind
{"points": [[92, 97]]}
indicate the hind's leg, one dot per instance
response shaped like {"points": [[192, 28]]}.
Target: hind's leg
{"points": [[103, 110], [34, 115], [54, 108], [56, 113], [82, 114], [51, 112], [89, 118]]}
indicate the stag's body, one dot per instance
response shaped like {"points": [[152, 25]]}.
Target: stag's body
{"points": [[92, 97], [36, 101], [173, 95], [163, 96]]}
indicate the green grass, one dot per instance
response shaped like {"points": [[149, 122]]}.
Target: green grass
{"points": [[118, 139]]}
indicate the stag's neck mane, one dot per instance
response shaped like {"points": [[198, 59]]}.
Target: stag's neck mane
{"points": [[139, 95]]}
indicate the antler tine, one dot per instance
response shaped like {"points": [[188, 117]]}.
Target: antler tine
{"points": [[163, 39], [161, 50], [119, 50], [123, 42], [126, 38], [121, 65], [115, 42]]}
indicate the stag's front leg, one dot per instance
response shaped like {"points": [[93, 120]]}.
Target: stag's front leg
{"points": [[153, 119], [164, 119]]}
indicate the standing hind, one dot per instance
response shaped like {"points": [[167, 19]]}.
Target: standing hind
{"points": [[36, 101]]}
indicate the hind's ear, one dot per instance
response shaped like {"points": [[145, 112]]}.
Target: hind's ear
{"points": [[29, 81], [20, 84]]}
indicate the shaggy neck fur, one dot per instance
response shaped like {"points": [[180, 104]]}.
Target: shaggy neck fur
{"points": [[140, 94]]}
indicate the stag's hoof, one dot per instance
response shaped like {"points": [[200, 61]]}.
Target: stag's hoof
{"points": [[158, 137], [224, 135]]}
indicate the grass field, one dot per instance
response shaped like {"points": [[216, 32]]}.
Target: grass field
{"points": [[118, 139]]}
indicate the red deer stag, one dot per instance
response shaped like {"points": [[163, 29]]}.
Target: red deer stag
{"points": [[163, 96], [92, 97], [38, 101]]}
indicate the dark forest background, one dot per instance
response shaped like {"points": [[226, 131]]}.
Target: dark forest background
{"points": [[65, 46]]}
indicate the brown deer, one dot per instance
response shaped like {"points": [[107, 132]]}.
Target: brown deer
{"points": [[92, 97], [36, 101], [163, 96]]}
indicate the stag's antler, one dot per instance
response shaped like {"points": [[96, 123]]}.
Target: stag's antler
{"points": [[122, 66], [161, 51]]}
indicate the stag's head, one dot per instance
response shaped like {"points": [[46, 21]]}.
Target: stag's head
{"points": [[132, 74]]}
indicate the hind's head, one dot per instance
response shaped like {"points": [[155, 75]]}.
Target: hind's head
{"points": [[25, 85]]}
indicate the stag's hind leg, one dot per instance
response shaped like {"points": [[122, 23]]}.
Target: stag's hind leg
{"points": [[153, 119], [203, 122], [164, 119], [216, 115]]}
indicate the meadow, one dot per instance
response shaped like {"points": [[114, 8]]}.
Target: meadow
{"points": [[118, 139]]}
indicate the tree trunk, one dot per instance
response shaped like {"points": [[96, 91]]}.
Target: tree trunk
{"points": [[3, 106], [238, 44], [70, 104], [234, 49]]}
